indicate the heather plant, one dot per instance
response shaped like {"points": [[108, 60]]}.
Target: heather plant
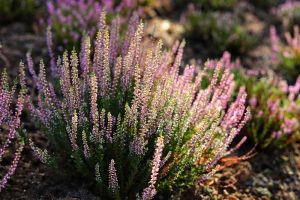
{"points": [[286, 56], [124, 118], [11, 142], [275, 106], [275, 109], [70, 19], [289, 14], [218, 29]]}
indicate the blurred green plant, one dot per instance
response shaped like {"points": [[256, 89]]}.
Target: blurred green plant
{"points": [[264, 4], [216, 4], [24, 10], [289, 14], [70, 20], [286, 56], [219, 32], [275, 106], [210, 4], [275, 109]]}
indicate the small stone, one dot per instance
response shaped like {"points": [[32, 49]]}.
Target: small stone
{"points": [[263, 191]]}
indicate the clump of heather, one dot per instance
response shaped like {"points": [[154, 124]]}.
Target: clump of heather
{"points": [[127, 121], [286, 56], [275, 108], [70, 19], [289, 14], [11, 144]]}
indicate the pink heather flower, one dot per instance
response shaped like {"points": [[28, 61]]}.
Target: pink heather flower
{"points": [[253, 102], [109, 127], [226, 59], [273, 106], [289, 50], [283, 86], [287, 6], [253, 72], [108, 4], [294, 90], [50, 7], [260, 113], [287, 12], [50, 51], [86, 149], [73, 132], [31, 69], [137, 146], [274, 39], [12, 167], [10, 118], [70, 18], [236, 111], [42, 155], [289, 125], [150, 191], [276, 134], [112, 176]]}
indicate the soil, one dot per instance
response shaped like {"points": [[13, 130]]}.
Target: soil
{"points": [[268, 175]]}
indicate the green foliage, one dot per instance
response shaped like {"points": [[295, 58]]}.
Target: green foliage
{"points": [[24, 10], [274, 108], [215, 4], [286, 54], [290, 66], [211, 4], [264, 4], [219, 32], [70, 20], [289, 14]]}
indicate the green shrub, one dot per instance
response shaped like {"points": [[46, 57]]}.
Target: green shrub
{"points": [[286, 56], [219, 32]]}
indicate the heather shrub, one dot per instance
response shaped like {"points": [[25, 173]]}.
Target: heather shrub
{"points": [[286, 56], [274, 105], [219, 29], [125, 120], [275, 109], [70, 19], [24, 10], [289, 14], [11, 144]]}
